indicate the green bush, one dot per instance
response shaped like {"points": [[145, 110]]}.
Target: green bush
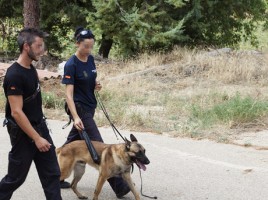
{"points": [[51, 101]]}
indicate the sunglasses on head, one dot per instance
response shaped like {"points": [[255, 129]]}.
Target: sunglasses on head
{"points": [[85, 34]]}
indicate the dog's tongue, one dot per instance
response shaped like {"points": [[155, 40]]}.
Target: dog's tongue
{"points": [[140, 165]]}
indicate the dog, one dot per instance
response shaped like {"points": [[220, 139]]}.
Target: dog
{"points": [[116, 160]]}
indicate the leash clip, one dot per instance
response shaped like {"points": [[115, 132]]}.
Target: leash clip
{"points": [[5, 122]]}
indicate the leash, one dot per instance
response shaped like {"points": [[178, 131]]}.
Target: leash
{"points": [[150, 197], [116, 131], [90, 147], [68, 112], [68, 123], [107, 116]]}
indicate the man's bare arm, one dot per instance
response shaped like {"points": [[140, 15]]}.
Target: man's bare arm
{"points": [[16, 104]]}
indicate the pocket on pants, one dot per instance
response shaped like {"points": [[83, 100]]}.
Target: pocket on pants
{"points": [[13, 160], [14, 133], [14, 166]]}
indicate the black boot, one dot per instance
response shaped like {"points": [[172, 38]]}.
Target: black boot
{"points": [[64, 184], [119, 186], [123, 192]]}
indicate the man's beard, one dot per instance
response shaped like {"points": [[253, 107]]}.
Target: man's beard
{"points": [[32, 56]]}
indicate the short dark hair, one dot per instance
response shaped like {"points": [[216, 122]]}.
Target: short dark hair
{"points": [[27, 35]]}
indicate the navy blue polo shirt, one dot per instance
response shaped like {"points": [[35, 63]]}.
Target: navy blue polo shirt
{"points": [[83, 76]]}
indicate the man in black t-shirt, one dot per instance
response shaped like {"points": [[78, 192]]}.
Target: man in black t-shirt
{"points": [[26, 126]]}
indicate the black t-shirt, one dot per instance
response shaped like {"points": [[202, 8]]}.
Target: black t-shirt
{"points": [[22, 81], [83, 76]]}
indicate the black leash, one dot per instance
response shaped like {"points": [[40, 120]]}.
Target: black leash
{"points": [[90, 147], [155, 197], [68, 123], [115, 130], [107, 116], [68, 112], [84, 136]]}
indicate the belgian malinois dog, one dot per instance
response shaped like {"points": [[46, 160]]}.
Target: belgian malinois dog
{"points": [[116, 160]]}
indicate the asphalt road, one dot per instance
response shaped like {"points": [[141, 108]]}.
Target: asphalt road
{"points": [[180, 169]]}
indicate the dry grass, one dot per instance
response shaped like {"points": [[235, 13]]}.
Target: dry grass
{"points": [[161, 93], [157, 92]]}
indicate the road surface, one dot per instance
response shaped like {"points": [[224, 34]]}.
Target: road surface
{"points": [[180, 169]]}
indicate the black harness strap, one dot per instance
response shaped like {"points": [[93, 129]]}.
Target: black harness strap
{"points": [[28, 99]]}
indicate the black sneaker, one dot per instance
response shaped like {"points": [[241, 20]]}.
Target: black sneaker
{"points": [[64, 184], [123, 192]]}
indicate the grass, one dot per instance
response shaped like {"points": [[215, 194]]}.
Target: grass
{"points": [[187, 93], [183, 93], [52, 101], [2, 101], [236, 110]]}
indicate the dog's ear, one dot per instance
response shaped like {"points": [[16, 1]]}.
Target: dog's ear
{"points": [[128, 143], [133, 138]]}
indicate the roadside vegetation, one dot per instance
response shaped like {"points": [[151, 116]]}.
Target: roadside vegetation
{"points": [[188, 93], [193, 93], [167, 71], [214, 94]]}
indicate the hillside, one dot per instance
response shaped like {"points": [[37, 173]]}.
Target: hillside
{"points": [[182, 93], [171, 94]]}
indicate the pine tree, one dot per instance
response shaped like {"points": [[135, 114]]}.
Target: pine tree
{"points": [[31, 13], [140, 25], [137, 25], [217, 22]]}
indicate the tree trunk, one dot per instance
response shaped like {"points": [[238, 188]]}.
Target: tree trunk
{"points": [[31, 13], [105, 47]]}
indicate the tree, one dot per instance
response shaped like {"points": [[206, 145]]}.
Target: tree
{"points": [[130, 27], [10, 19], [105, 46], [10, 8], [134, 26], [31, 13], [60, 18], [223, 23]]}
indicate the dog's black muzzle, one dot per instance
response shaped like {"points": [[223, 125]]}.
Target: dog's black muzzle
{"points": [[141, 160], [144, 160]]}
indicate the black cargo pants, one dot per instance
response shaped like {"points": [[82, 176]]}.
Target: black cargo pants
{"points": [[23, 152], [87, 117]]}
